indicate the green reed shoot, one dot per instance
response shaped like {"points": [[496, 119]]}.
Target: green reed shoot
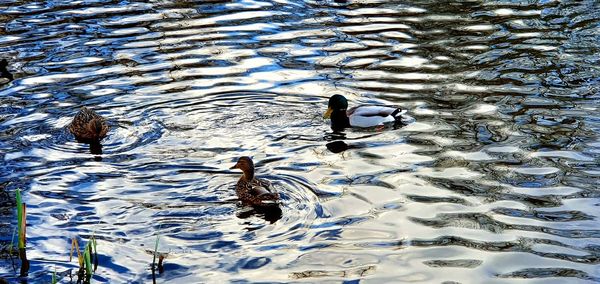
{"points": [[154, 260], [54, 281], [93, 240], [85, 258], [155, 252], [21, 229], [21, 220]]}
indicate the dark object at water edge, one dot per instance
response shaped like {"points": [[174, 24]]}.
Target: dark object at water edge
{"points": [[4, 72]]}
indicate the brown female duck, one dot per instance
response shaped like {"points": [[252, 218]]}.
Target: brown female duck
{"points": [[251, 190], [88, 126]]}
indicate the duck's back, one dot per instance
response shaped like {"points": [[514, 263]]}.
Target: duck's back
{"points": [[83, 130], [255, 191], [369, 116]]}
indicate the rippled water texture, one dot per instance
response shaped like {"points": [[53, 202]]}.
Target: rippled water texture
{"points": [[496, 180]]}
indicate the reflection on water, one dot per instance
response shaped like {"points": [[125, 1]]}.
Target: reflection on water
{"points": [[269, 213], [496, 179], [337, 146]]}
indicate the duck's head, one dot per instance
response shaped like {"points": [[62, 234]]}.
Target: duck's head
{"points": [[336, 103], [246, 165]]}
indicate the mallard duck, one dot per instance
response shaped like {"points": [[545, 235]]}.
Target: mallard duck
{"points": [[359, 116], [88, 126], [251, 190]]}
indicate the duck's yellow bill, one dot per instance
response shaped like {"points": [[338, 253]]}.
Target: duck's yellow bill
{"points": [[327, 113]]}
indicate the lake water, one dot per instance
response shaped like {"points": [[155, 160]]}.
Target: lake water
{"points": [[496, 180]]}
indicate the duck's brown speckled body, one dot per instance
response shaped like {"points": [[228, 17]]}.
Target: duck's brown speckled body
{"points": [[251, 190], [88, 126]]}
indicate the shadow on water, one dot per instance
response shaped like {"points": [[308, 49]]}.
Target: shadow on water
{"points": [[270, 213], [338, 146], [96, 148], [495, 179]]}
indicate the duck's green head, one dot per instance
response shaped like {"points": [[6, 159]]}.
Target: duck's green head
{"points": [[336, 103]]}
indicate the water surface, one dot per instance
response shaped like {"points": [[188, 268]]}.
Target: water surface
{"points": [[496, 180]]}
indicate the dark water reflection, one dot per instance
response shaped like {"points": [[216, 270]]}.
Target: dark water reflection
{"points": [[496, 180]]}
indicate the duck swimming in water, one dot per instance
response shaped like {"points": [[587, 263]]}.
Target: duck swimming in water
{"points": [[251, 190], [88, 127], [360, 116]]}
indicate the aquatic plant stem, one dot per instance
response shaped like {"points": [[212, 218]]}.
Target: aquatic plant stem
{"points": [[21, 228], [154, 259]]}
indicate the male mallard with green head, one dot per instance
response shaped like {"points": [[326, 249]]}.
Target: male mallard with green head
{"points": [[88, 126], [360, 116], [251, 190]]}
